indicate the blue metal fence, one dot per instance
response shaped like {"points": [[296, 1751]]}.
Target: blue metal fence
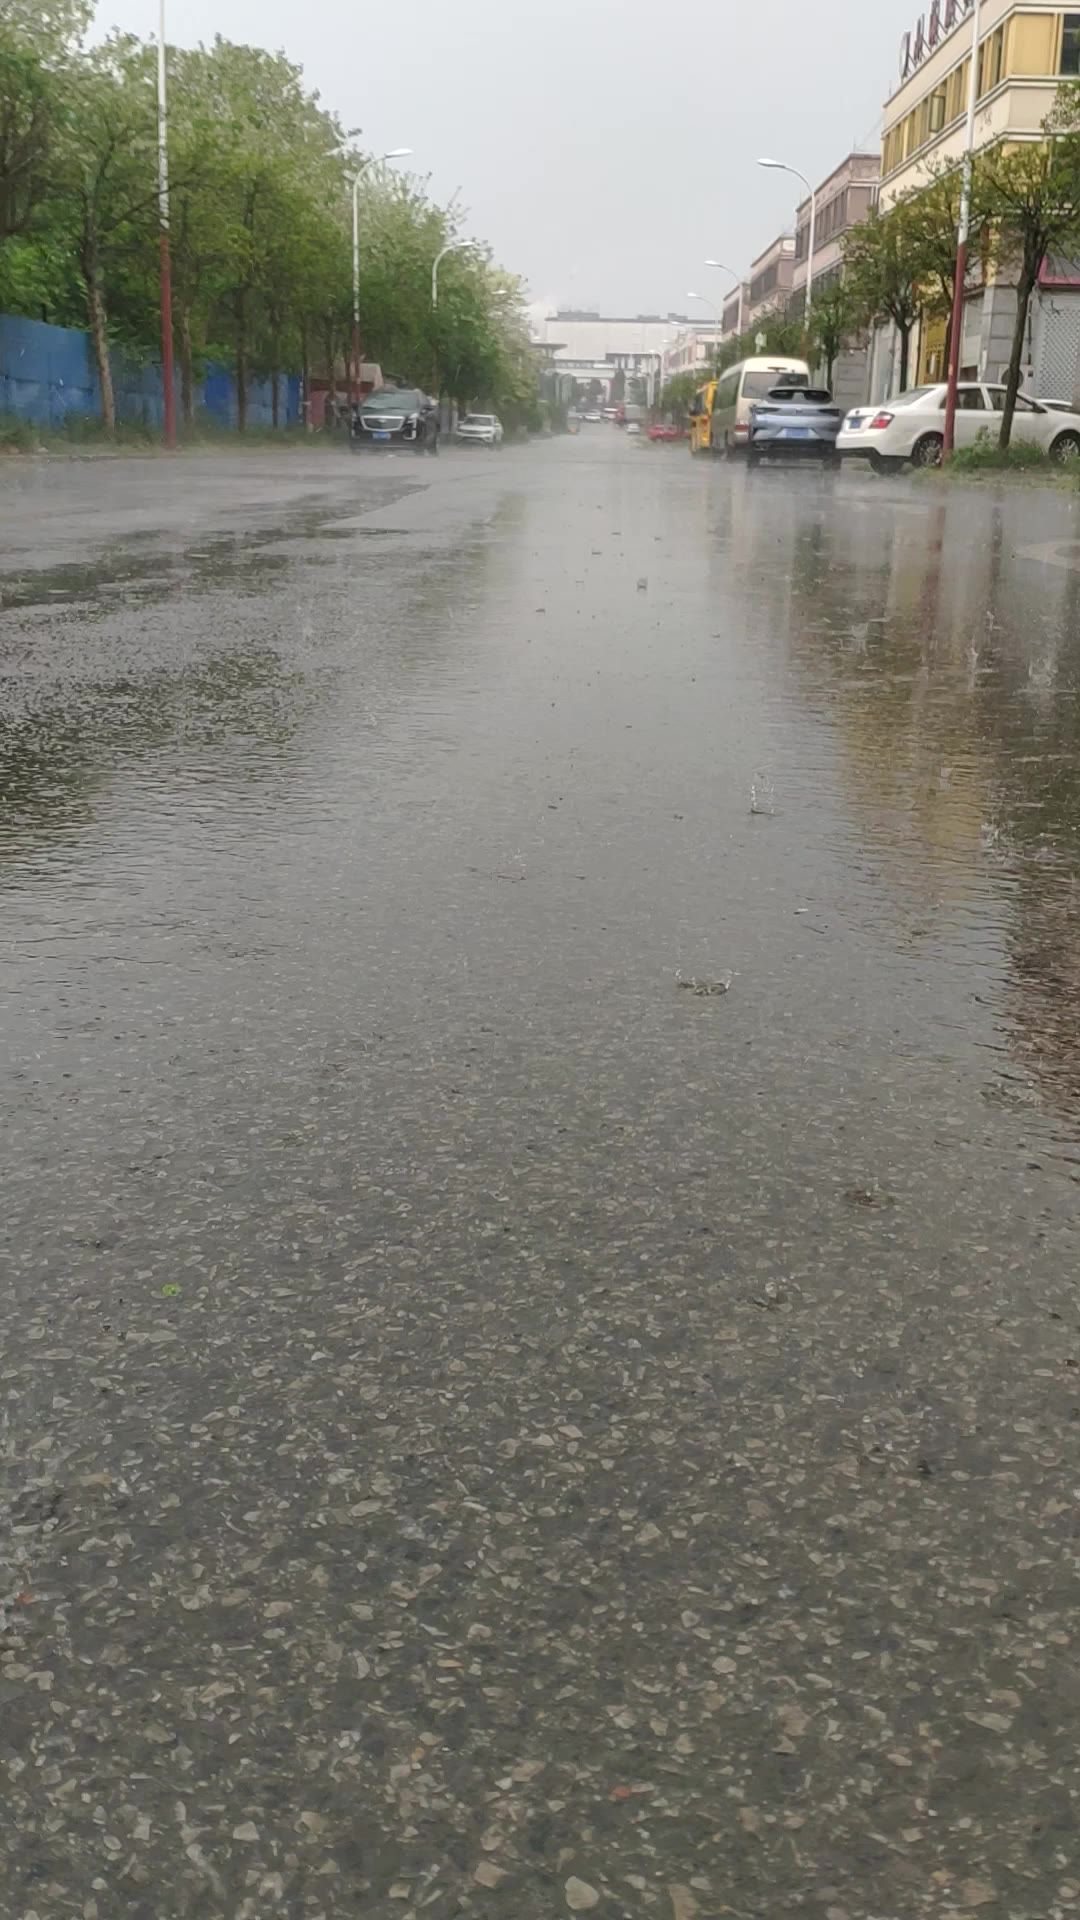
{"points": [[48, 373]]}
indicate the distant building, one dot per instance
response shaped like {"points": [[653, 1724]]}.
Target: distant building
{"points": [[631, 345], [736, 307], [771, 276], [692, 349], [844, 199]]}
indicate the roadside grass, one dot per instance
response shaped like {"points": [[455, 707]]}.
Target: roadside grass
{"points": [[987, 457], [82, 434], [1020, 462]]}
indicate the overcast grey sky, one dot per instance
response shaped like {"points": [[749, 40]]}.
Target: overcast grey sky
{"points": [[603, 147]]}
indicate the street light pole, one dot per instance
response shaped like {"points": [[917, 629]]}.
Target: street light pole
{"points": [[738, 281], [454, 246], [706, 302], [376, 159], [167, 393], [956, 325], [781, 167]]}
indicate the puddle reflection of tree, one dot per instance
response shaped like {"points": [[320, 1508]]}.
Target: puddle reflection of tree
{"points": [[65, 749], [950, 678], [57, 758]]}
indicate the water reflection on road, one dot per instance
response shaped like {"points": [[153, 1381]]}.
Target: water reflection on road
{"points": [[478, 1414]]}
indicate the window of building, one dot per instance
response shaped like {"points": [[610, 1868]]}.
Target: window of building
{"points": [[991, 60], [937, 110], [1070, 44]]}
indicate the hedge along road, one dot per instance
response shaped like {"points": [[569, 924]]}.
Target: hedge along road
{"points": [[540, 1331]]}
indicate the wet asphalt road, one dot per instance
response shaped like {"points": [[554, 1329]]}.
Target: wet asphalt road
{"points": [[486, 1428]]}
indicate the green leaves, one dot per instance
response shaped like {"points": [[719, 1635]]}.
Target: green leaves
{"points": [[260, 201]]}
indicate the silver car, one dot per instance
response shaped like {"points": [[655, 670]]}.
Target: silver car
{"points": [[911, 426]]}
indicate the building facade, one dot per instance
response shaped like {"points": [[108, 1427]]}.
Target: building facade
{"points": [[736, 305], [691, 350], [843, 200], [1025, 52], [770, 281], [634, 346]]}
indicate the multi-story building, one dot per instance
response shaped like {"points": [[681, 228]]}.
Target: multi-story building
{"points": [[736, 304], [692, 349], [771, 276], [843, 200], [634, 346], [1025, 50]]}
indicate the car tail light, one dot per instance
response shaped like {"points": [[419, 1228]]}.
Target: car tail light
{"points": [[880, 420]]}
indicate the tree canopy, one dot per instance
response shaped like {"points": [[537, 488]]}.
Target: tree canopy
{"points": [[261, 180]]}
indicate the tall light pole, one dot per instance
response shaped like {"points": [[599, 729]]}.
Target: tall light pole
{"points": [[167, 393], [453, 246], [956, 327], [376, 160], [737, 277], [706, 302], [780, 166]]}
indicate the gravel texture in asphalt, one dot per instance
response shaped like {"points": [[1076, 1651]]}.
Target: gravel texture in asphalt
{"points": [[538, 1369]]}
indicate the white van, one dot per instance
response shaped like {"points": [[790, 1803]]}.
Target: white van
{"points": [[736, 391]]}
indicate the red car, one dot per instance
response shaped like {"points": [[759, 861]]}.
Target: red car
{"points": [[665, 433]]}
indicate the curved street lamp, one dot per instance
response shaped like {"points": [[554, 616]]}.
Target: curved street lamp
{"points": [[738, 282], [781, 166], [376, 160], [453, 246]]}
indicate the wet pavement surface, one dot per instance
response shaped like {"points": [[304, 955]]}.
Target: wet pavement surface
{"points": [[539, 1365]]}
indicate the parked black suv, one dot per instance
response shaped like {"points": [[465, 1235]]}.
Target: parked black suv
{"points": [[395, 417]]}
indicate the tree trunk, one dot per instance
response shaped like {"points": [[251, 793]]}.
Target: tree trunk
{"points": [[1024, 292], [331, 392], [240, 316], [275, 380], [905, 344], [187, 374], [99, 335], [305, 375]]}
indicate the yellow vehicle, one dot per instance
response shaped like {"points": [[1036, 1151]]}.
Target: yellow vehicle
{"points": [[701, 407]]}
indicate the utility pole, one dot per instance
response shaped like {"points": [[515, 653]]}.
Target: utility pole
{"points": [[376, 160], [956, 329], [168, 394]]}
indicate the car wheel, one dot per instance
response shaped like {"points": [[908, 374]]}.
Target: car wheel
{"points": [[1065, 448], [927, 451]]}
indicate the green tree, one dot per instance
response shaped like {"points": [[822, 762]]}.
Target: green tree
{"points": [[37, 38], [679, 392], [103, 182], [1032, 197], [883, 266], [834, 317]]}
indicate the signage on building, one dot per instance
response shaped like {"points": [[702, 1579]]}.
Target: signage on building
{"points": [[929, 31]]}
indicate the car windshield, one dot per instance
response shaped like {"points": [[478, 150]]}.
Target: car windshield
{"points": [[757, 386], [479, 420], [393, 400]]}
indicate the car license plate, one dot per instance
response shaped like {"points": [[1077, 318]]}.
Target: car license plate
{"points": [[796, 433], [381, 433]]}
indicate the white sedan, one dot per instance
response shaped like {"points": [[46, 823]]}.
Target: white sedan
{"points": [[911, 426], [479, 430]]}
